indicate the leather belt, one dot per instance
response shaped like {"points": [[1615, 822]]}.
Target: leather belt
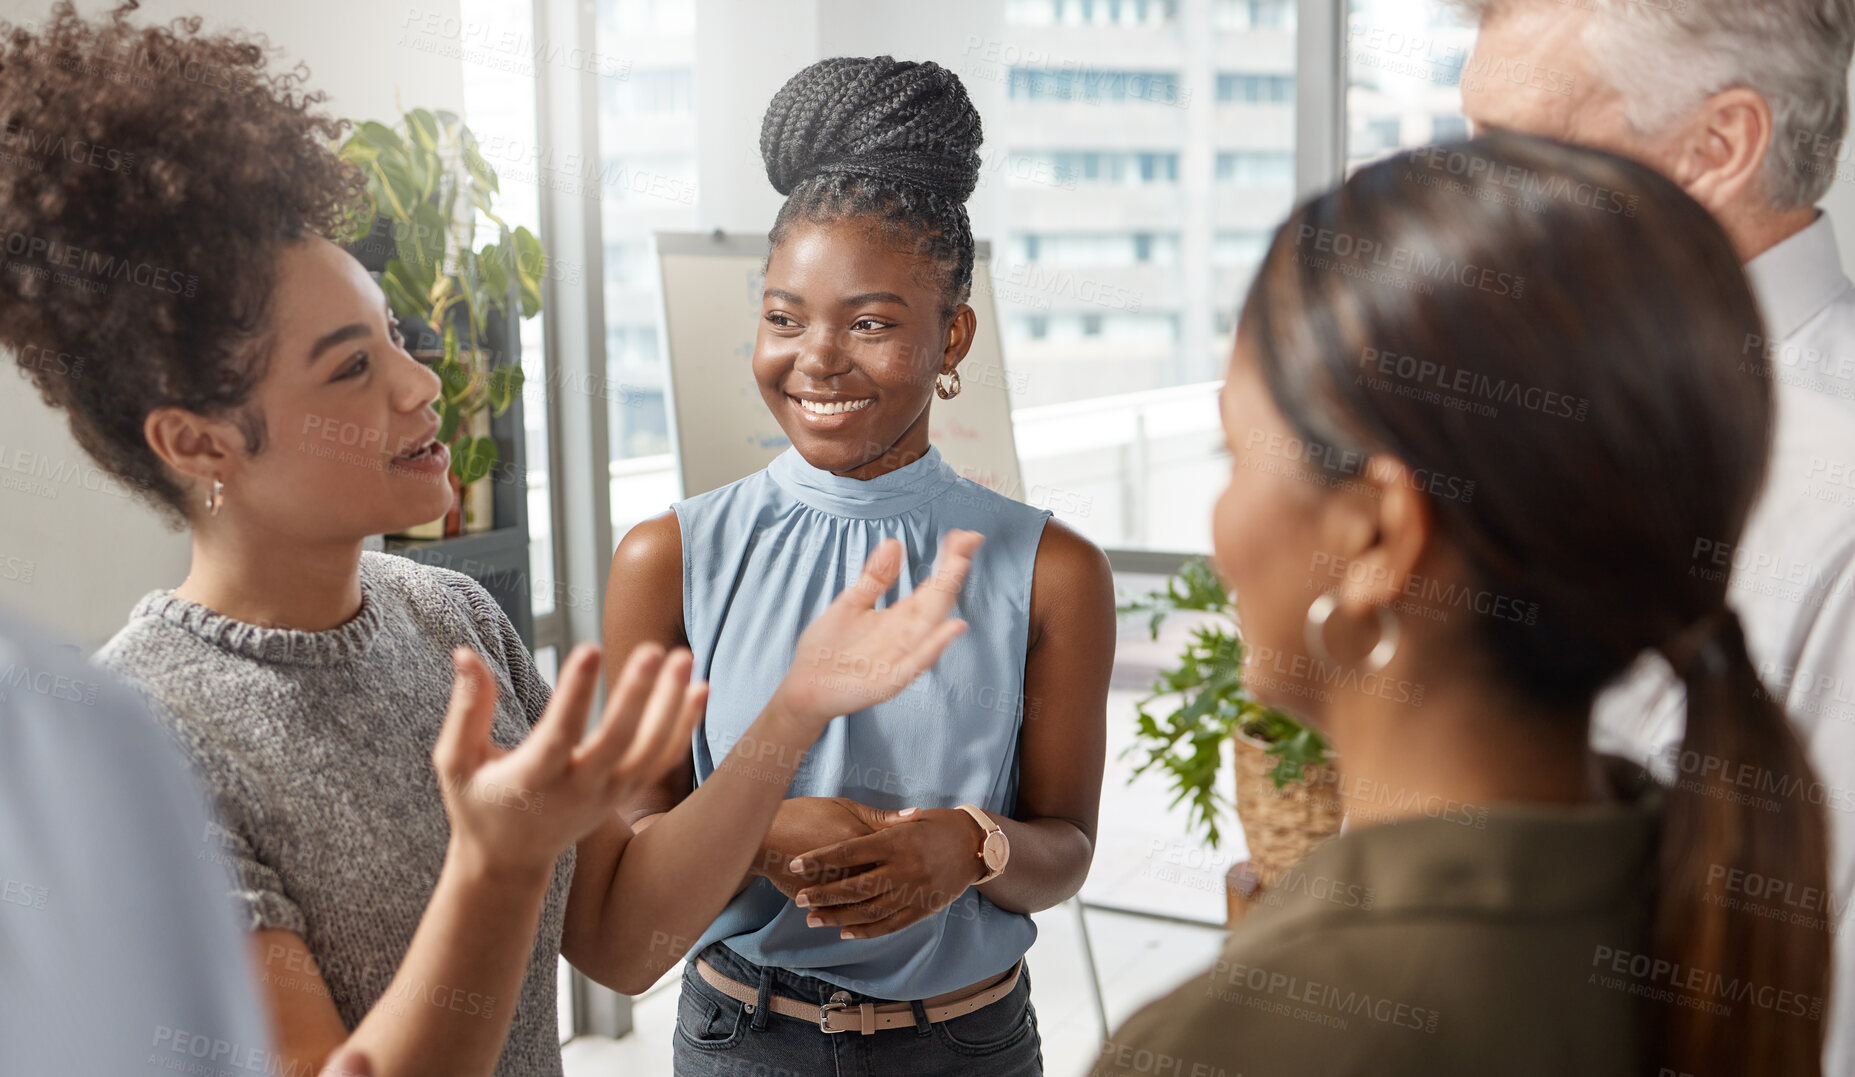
{"points": [[842, 1015]]}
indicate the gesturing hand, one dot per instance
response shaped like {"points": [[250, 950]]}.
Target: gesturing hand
{"points": [[916, 864], [520, 809], [855, 656]]}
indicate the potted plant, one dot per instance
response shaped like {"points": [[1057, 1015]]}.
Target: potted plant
{"points": [[1285, 776], [426, 183]]}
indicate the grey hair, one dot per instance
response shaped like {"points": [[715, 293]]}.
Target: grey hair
{"points": [[1666, 56]]}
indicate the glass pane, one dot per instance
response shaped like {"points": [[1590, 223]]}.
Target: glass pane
{"points": [[563, 995], [499, 106], [547, 663], [1404, 63], [647, 146], [1139, 195]]}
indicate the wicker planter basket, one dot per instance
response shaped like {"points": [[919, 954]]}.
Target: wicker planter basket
{"points": [[1280, 825]]}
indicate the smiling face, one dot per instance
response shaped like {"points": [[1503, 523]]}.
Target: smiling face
{"points": [[349, 448], [851, 340]]}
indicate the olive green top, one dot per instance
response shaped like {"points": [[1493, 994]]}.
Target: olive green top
{"points": [[1509, 941]]}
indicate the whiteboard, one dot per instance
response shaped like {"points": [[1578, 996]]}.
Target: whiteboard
{"points": [[722, 430]]}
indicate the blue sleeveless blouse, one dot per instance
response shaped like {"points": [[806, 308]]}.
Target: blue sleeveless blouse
{"points": [[763, 557]]}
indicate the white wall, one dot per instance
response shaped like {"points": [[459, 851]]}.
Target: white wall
{"points": [[81, 554]]}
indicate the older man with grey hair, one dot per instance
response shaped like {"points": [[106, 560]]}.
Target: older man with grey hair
{"points": [[1744, 103]]}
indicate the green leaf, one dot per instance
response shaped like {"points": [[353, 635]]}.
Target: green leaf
{"points": [[470, 291], [479, 168], [356, 152], [493, 264], [422, 126], [449, 420], [530, 263], [378, 137], [505, 385], [443, 295], [473, 458], [402, 292], [426, 229]]}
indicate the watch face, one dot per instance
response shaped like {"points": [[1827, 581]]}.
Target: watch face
{"points": [[997, 848]]}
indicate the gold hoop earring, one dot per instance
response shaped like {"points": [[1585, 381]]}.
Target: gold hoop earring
{"points": [[216, 498], [946, 389], [1316, 632]]}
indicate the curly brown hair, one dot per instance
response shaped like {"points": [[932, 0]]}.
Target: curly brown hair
{"points": [[149, 178]]}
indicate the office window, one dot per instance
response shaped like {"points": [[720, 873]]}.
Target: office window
{"points": [[1404, 62], [1255, 89], [648, 182], [1095, 86], [1156, 248], [656, 92], [1378, 135], [630, 264], [1076, 248], [1143, 329], [1114, 256], [499, 107], [1090, 12], [659, 19], [1276, 15], [1448, 128], [1044, 169], [1159, 168], [1239, 248], [1253, 168]]}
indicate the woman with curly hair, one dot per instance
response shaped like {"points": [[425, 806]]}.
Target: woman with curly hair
{"points": [[409, 875], [891, 898]]}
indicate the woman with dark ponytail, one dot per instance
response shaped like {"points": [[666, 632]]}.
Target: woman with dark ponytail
{"points": [[1486, 404], [891, 898]]}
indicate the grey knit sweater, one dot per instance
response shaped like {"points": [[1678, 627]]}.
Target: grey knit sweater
{"points": [[317, 748]]}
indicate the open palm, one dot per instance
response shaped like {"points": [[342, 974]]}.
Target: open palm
{"points": [[524, 807], [854, 655]]}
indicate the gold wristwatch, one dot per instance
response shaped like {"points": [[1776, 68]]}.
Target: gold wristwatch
{"points": [[995, 850]]}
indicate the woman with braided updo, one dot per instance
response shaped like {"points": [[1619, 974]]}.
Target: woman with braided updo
{"points": [[892, 895], [410, 875]]}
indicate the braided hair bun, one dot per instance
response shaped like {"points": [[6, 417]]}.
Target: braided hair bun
{"points": [[893, 140], [880, 117]]}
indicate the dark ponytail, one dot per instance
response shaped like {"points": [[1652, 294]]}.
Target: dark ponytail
{"points": [[1745, 809], [1605, 311], [891, 141]]}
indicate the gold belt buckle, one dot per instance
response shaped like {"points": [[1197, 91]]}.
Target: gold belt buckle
{"points": [[840, 1000]]}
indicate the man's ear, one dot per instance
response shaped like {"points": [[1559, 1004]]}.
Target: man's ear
{"points": [[1719, 157], [194, 447]]}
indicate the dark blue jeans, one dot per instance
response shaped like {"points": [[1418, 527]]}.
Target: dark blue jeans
{"points": [[717, 1037]]}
